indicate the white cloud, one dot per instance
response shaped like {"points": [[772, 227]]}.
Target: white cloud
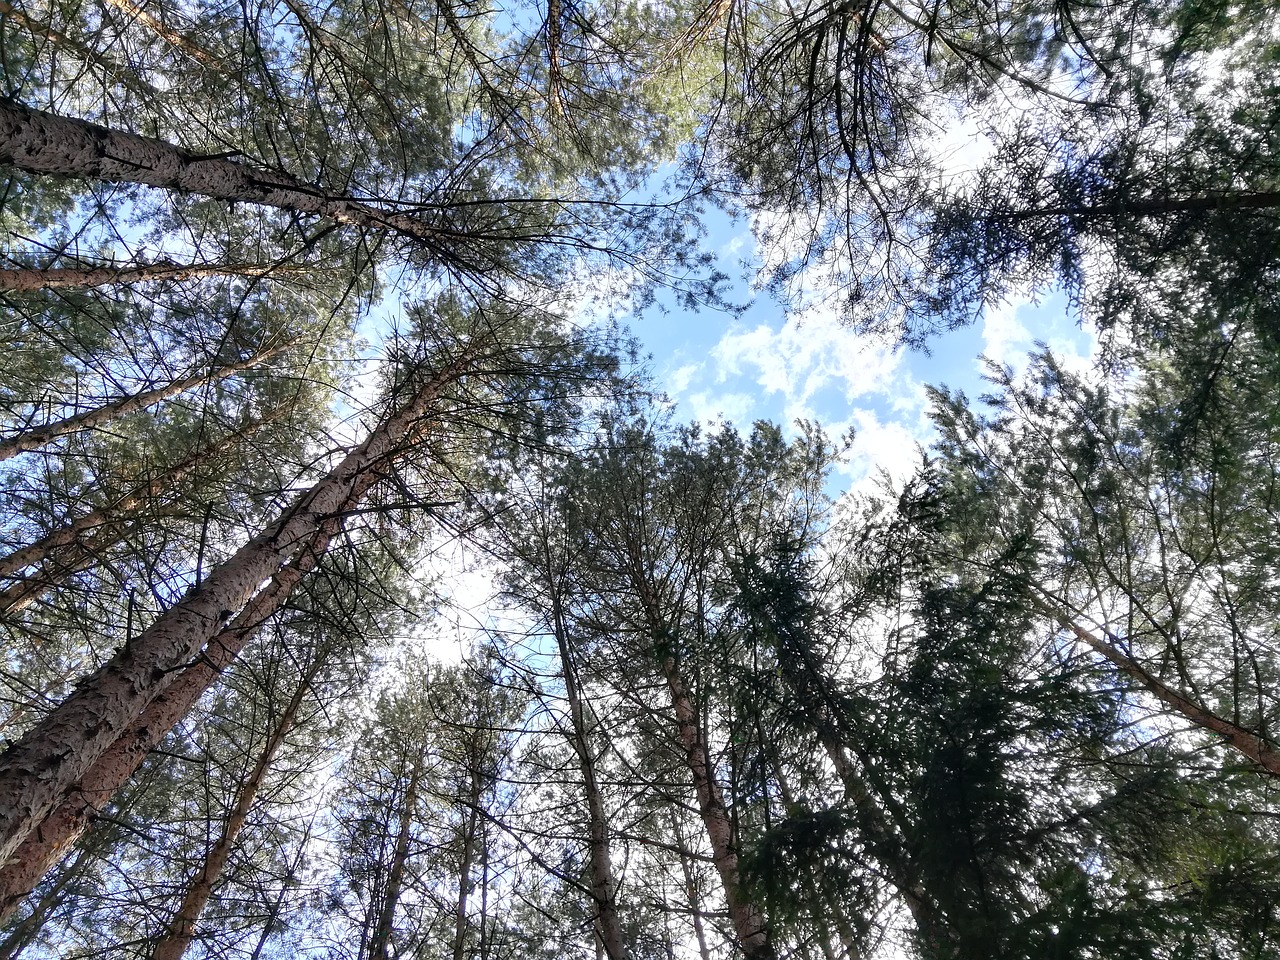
{"points": [[812, 351], [740, 409], [1005, 339]]}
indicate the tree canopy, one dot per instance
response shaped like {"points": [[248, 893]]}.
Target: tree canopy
{"points": [[299, 304]]}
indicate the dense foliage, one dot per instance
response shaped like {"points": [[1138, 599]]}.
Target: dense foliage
{"points": [[293, 299]]}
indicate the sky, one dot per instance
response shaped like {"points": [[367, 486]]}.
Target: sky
{"points": [[765, 365]]}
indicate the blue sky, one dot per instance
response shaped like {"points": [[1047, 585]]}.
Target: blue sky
{"points": [[764, 365]]}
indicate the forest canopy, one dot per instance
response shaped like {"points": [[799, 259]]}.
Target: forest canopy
{"points": [[310, 323]]}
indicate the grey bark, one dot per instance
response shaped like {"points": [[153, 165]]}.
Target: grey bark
{"points": [[40, 142], [38, 771]]}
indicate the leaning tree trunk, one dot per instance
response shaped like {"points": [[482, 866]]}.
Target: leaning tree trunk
{"points": [[1258, 749], [37, 437], [182, 928], [39, 852], [48, 546], [40, 142], [38, 772], [28, 279], [603, 891]]}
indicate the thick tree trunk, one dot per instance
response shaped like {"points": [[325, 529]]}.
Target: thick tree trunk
{"points": [[380, 947], [37, 437], [182, 929], [37, 772], [40, 142], [28, 279], [608, 927], [91, 795]]}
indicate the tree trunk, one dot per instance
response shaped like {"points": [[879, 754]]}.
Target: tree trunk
{"points": [[1256, 748], [90, 796], [40, 142], [37, 772], [746, 916], [608, 927], [170, 36], [28, 279], [380, 948], [690, 890], [121, 73], [182, 929], [37, 437], [464, 871]]}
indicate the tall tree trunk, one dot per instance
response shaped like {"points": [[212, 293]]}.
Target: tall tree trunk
{"points": [[24, 932], [168, 34], [802, 673], [28, 279], [608, 927], [124, 74], [746, 916], [690, 890], [48, 546], [464, 871], [40, 142], [182, 928], [39, 852], [380, 946], [1256, 748], [37, 772], [37, 437], [744, 913]]}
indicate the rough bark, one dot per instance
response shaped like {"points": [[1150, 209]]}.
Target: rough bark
{"points": [[380, 947], [29, 279], [40, 142], [37, 437], [1256, 748], [37, 772], [104, 779], [182, 929], [603, 891]]}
